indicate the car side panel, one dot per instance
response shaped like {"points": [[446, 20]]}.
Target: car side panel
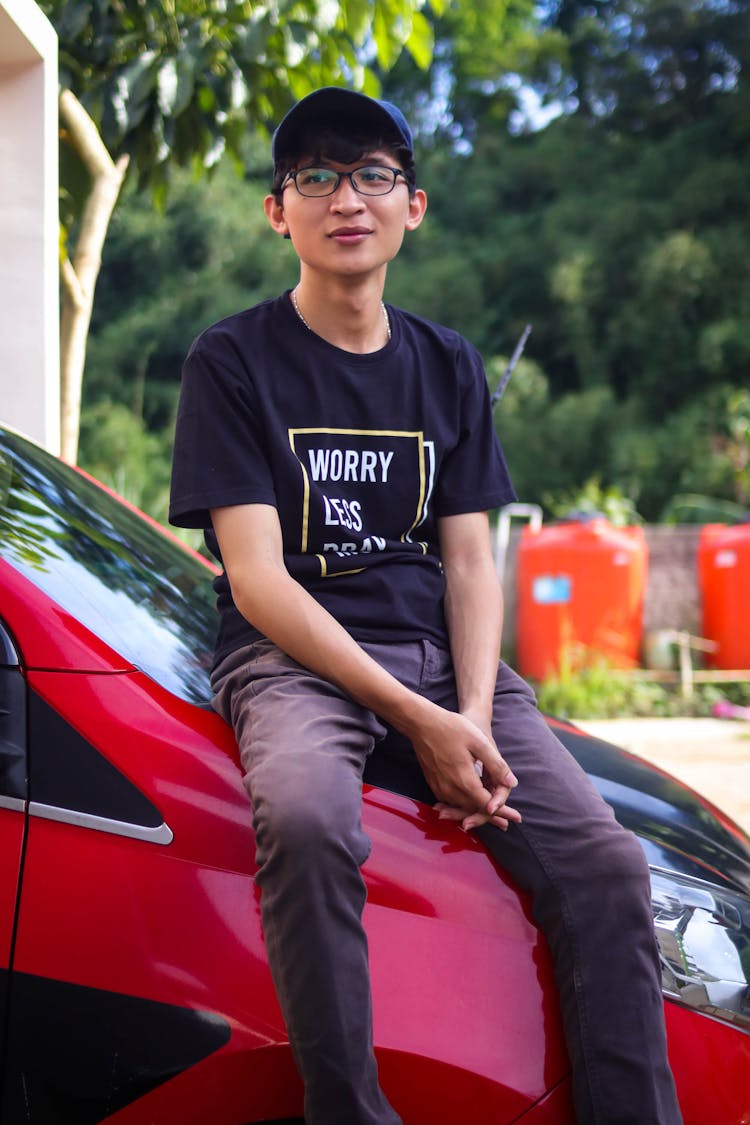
{"points": [[227, 1088], [555, 1108], [11, 850], [13, 794], [94, 1050], [125, 933], [185, 917], [13, 806], [711, 1065], [181, 758]]}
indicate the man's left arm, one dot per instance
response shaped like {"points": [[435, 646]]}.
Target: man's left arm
{"points": [[474, 617]]}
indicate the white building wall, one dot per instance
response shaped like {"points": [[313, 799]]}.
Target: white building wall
{"points": [[29, 224]]}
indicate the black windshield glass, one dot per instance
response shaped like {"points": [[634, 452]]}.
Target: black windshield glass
{"points": [[125, 580]]}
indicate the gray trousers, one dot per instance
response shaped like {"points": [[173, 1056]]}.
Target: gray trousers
{"points": [[303, 745]]}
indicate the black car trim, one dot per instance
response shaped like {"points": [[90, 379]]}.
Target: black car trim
{"points": [[77, 1055], [72, 782], [14, 779], [160, 834], [8, 653]]}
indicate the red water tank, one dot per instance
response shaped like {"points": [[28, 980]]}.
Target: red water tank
{"points": [[724, 578], [581, 586]]}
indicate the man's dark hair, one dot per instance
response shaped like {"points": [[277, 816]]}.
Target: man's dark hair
{"points": [[343, 144]]}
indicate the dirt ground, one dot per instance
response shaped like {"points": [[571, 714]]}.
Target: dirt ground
{"points": [[712, 756]]}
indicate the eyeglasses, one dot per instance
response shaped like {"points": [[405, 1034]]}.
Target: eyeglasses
{"points": [[374, 179]]}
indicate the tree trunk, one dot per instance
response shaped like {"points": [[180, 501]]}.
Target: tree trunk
{"points": [[79, 276]]}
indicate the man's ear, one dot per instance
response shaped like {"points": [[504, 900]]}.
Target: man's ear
{"points": [[275, 214], [417, 208]]}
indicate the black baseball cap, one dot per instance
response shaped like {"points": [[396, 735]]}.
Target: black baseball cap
{"points": [[335, 101]]}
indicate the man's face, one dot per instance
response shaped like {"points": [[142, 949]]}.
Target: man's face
{"points": [[348, 232]]}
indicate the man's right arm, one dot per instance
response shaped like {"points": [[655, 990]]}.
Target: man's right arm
{"points": [[264, 592]]}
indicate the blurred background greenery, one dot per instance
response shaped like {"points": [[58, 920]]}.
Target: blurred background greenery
{"points": [[587, 170]]}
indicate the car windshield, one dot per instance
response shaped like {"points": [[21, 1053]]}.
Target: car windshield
{"points": [[130, 584]]}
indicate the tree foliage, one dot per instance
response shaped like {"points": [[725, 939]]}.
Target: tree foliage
{"points": [[619, 231], [147, 86], [647, 65], [183, 82]]}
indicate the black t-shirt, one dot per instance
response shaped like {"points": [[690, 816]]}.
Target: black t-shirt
{"points": [[360, 454]]}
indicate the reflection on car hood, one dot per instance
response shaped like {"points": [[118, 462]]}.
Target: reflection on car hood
{"points": [[680, 831]]}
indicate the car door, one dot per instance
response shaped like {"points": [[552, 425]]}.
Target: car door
{"points": [[13, 806]]}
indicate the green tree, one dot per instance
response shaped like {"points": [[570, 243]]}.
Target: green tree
{"points": [[481, 49], [149, 85], [127, 457], [645, 65], [624, 248], [168, 275]]}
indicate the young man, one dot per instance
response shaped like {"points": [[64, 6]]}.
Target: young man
{"points": [[341, 456]]}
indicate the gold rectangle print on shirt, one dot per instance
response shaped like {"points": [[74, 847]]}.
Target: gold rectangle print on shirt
{"points": [[362, 491]]}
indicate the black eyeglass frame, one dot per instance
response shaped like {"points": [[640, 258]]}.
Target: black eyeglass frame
{"points": [[291, 177]]}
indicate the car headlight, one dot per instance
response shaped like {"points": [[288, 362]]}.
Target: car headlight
{"points": [[703, 933]]}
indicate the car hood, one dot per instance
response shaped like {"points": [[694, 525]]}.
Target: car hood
{"points": [[680, 830]]}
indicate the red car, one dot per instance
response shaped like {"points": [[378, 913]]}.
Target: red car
{"points": [[134, 987]]}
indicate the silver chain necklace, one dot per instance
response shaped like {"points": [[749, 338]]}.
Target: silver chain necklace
{"points": [[386, 318]]}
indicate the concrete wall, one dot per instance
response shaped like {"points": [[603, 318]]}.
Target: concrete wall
{"points": [[672, 594], [29, 224]]}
